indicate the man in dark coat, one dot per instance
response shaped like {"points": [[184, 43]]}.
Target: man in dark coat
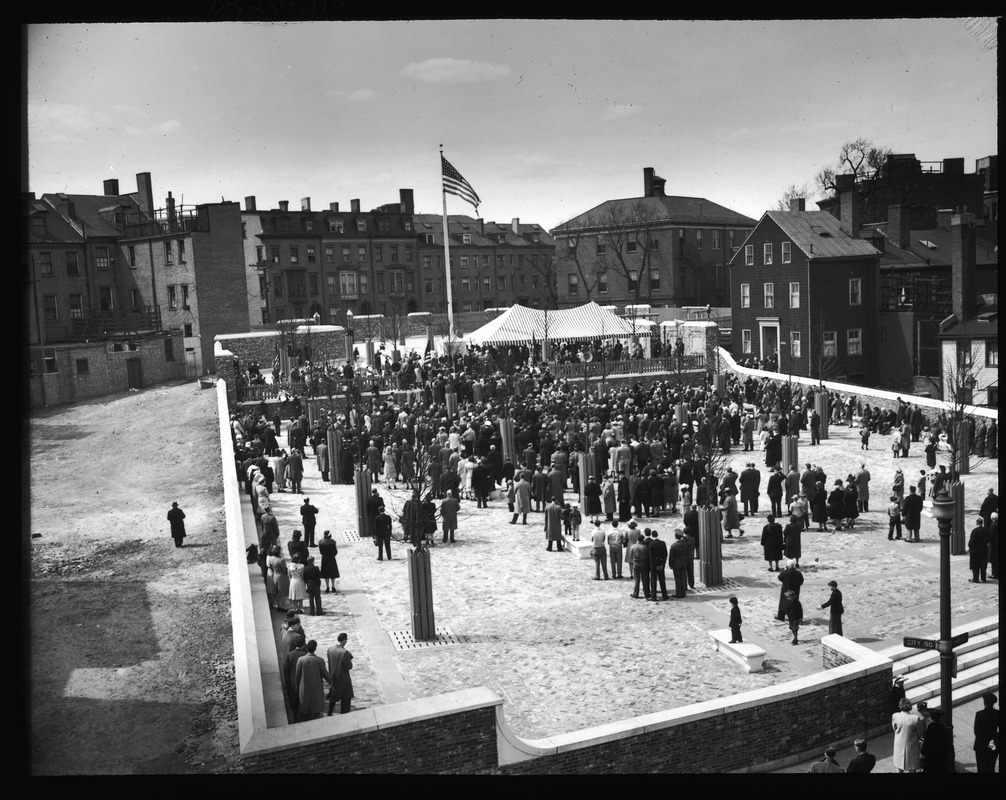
{"points": [[834, 603], [936, 744], [382, 534], [750, 481], [309, 514], [681, 555], [978, 550], [862, 761], [986, 745], [553, 525], [989, 504], [911, 512], [175, 517], [775, 490], [340, 662], [791, 579], [639, 553], [481, 483], [658, 560]]}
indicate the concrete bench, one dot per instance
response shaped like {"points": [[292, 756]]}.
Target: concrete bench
{"points": [[582, 548], [748, 655]]}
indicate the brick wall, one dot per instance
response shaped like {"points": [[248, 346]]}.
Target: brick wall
{"points": [[463, 743]]}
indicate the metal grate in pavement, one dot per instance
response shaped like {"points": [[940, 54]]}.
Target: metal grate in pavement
{"points": [[405, 643], [728, 585], [351, 536]]}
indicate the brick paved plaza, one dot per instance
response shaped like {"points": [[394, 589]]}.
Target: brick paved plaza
{"points": [[566, 652]]}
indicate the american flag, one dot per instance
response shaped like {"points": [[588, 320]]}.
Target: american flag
{"points": [[456, 184]]}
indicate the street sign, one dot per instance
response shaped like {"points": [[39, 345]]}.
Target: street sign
{"points": [[922, 644], [960, 638]]}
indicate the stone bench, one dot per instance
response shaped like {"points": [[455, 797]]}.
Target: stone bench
{"points": [[582, 548], [748, 655]]}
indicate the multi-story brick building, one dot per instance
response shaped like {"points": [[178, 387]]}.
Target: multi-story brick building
{"points": [[114, 266], [657, 250], [804, 295]]}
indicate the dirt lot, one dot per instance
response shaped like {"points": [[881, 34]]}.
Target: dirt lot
{"points": [[131, 664]]}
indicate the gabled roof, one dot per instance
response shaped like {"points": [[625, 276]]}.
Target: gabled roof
{"points": [[818, 235], [661, 209], [458, 224], [981, 326], [88, 207], [57, 229]]}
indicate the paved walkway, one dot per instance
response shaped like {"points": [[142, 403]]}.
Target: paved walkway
{"points": [[536, 628]]}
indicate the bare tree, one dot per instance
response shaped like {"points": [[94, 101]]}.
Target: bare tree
{"points": [[823, 362], [961, 377], [794, 192], [631, 245], [590, 269], [860, 157]]}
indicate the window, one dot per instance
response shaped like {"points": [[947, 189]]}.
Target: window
{"points": [[730, 239], [407, 224], [466, 307], [394, 253], [101, 259], [766, 253], [631, 244], [714, 237], [501, 238], [169, 253], [187, 329], [534, 282], [855, 292], [602, 248], [295, 285], [134, 299], [172, 301], [746, 342], [769, 295], [283, 225], [82, 366], [45, 263], [464, 261], [185, 296], [653, 244], [361, 225], [787, 252], [73, 263], [829, 344], [794, 295], [991, 352], [794, 344], [169, 349], [277, 286], [106, 300], [50, 308], [698, 238], [380, 283], [329, 254], [654, 280], [428, 238], [485, 262], [602, 284], [38, 225], [466, 285], [854, 340], [335, 226], [364, 284], [294, 254], [466, 238], [486, 285], [965, 356], [383, 226], [633, 280], [309, 225], [749, 255], [76, 306], [347, 284], [501, 283], [428, 286], [745, 295], [312, 284], [274, 254], [345, 255], [574, 284], [719, 275], [181, 251], [361, 254], [312, 255]]}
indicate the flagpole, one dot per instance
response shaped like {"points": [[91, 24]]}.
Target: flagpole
{"points": [[447, 255]]}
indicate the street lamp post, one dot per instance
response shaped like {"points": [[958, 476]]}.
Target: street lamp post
{"points": [[943, 511]]}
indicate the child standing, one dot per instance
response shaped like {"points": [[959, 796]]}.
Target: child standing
{"points": [[566, 518], [864, 436], [575, 518], [735, 622]]}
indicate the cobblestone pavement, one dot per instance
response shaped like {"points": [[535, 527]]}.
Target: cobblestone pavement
{"points": [[566, 652]]}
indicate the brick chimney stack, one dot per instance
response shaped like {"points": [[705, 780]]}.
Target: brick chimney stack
{"points": [[145, 194], [406, 199], [898, 226], [284, 205], [943, 218], [515, 225], [305, 204], [111, 187], [851, 215], [250, 203], [963, 282], [333, 207], [169, 203], [354, 206], [798, 204]]}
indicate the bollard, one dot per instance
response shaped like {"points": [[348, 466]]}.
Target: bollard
{"points": [[421, 595], [958, 536], [790, 453], [334, 456], [509, 444], [711, 546], [962, 453], [361, 479], [452, 404], [821, 406], [720, 384], [584, 471]]}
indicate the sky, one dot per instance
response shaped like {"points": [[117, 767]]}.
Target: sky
{"points": [[545, 118]]}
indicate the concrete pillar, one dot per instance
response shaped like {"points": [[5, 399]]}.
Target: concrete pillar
{"points": [[451, 400], [421, 595], [509, 444], [711, 546], [334, 456], [821, 406], [790, 453], [958, 536], [584, 471], [962, 453], [720, 384], [361, 480]]}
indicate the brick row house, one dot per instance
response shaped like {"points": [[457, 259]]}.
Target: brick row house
{"points": [[657, 250], [113, 267], [804, 297]]}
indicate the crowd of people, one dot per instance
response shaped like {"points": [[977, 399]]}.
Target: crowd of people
{"points": [[644, 452]]}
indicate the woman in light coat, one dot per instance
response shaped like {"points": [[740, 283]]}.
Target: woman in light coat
{"points": [[907, 731]]}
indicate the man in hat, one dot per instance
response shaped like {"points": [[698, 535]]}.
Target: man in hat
{"points": [[175, 517], [828, 763], [658, 560], [835, 604], [309, 514], [987, 734], [680, 556]]}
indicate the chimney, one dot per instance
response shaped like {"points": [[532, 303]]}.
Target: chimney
{"points": [[250, 203], [953, 166], [943, 217], [482, 226], [408, 204], [111, 187], [305, 204], [333, 207], [169, 203], [851, 216], [963, 285], [647, 181], [897, 226], [515, 225], [284, 205], [354, 206], [798, 204], [145, 194]]}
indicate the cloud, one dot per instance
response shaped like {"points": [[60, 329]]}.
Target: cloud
{"points": [[454, 70], [67, 116], [362, 95], [620, 111], [168, 126]]}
